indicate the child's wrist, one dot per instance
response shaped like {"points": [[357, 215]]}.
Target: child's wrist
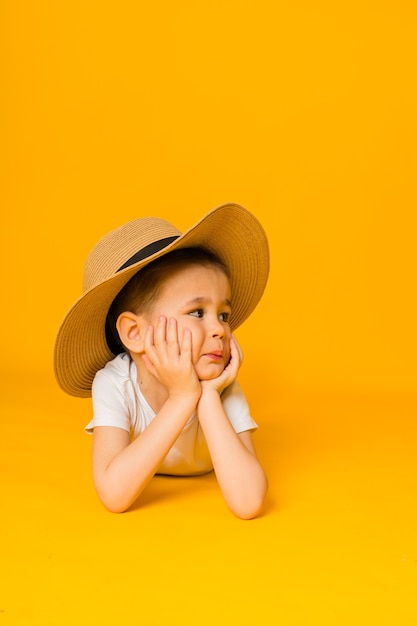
{"points": [[187, 399], [210, 389]]}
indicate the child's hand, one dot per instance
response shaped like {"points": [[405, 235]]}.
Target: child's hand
{"points": [[169, 359], [230, 372]]}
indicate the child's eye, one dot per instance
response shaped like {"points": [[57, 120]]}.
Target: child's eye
{"points": [[224, 317], [197, 313]]}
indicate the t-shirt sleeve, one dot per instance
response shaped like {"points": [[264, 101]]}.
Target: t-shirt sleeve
{"points": [[237, 408], [109, 404]]}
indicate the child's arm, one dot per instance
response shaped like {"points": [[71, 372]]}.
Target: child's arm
{"points": [[241, 478], [122, 469]]}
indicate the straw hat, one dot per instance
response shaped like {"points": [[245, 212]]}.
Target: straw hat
{"points": [[232, 233]]}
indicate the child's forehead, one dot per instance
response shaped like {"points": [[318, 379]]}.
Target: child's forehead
{"points": [[195, 278], [191, 269]]}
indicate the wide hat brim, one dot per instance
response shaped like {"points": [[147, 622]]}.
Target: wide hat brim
{"points": [[230, 231]]}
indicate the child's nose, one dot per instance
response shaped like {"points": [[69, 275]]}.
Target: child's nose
{"points": [[217, 328]]}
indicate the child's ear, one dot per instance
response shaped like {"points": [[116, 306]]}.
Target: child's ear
{"points": [[130, 331]]}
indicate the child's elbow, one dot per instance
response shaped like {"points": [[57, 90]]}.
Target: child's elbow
{"points": [[112, 499], [115, 507], [249, 511], [250, 506]]}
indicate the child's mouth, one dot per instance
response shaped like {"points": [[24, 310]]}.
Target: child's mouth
{"points": [[214, 356]]}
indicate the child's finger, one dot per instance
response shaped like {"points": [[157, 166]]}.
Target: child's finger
{"points": [[186, 344], [159, 335], [149, 364], [149, 337], [149, 342], [150, 356], [234, 343], [172, 337]]}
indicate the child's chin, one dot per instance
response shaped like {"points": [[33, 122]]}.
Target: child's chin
{"points": [[214, 372]]}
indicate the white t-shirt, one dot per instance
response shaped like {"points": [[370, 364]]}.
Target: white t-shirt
{"points": [[118, 401]]}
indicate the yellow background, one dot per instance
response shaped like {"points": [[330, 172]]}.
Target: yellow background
{"points": [[305, 113]]}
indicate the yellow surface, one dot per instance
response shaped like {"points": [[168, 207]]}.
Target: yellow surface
{"points": [[305, 113]]}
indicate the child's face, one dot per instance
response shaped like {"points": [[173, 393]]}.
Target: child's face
{"points": [[199, 299]]}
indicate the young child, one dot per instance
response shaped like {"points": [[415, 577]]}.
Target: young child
{"points": [[151, 339]]}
